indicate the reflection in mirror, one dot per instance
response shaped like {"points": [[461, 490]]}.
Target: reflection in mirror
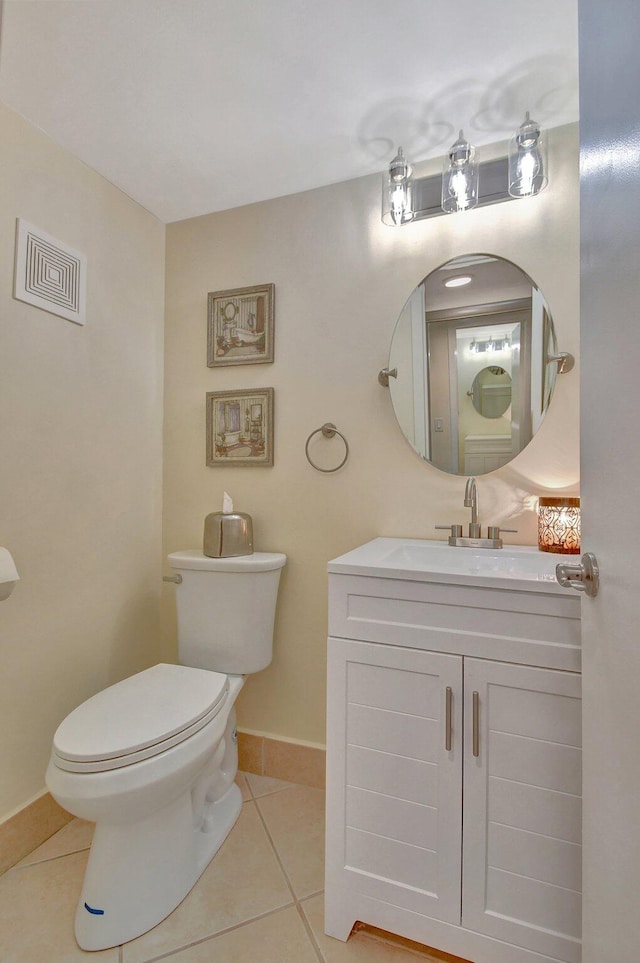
{"points": [[490, 392], [471, 348]]}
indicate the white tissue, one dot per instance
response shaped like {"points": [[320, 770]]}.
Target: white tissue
{"points": [[227, 505], [8, 574]]}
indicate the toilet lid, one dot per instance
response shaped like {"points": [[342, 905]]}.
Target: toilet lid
{"points": [[139, 717]]}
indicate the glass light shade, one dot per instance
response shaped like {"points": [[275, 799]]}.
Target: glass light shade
{"points": [[397, 191], [559, 525], [527, 160], [460, 178]]}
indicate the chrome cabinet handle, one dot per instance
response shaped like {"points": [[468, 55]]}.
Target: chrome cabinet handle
{"points": [[584, 576], [448, 720], [476, 724]]}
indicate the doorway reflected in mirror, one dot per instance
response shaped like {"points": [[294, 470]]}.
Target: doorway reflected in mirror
{"points": [[474, 379]]}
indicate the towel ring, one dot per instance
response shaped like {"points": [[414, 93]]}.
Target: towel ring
{"points": [[328, 430]]}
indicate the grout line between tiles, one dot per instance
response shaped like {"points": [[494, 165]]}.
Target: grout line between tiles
{"points": [[273, 792], [50, 859], [275, 851], [297, 902], [214, 936], [304, 899], [312, 939], [270, 792]]}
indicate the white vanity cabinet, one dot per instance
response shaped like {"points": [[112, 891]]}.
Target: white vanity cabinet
{"points": [[453, 772], [396, 834]]}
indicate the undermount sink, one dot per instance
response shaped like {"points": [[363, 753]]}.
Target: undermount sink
{"points": [[429, 561]]}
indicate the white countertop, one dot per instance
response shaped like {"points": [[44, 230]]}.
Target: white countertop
{"points": [[521, 567]]}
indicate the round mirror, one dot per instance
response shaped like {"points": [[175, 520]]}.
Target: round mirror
{"points": [[490, 392], [471, 351]]}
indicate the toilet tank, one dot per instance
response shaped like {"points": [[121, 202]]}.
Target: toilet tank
{"points": [[226, 609]]}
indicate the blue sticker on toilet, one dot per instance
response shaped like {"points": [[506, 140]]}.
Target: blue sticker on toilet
{"points": [[94, 912]]}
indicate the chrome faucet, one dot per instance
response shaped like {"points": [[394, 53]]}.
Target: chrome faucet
{"points": [[471, 501], [473, 539]]}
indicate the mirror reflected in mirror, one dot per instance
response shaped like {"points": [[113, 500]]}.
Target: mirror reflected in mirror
{"points": [[490, 392], [472, 350]]}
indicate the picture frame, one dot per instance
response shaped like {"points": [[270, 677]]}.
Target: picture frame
{"points": [[240, 428], [240, 326]]}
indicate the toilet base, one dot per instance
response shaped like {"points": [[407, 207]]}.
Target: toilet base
{"points": [[137, 874]]}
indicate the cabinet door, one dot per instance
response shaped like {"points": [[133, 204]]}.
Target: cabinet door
{"points": [[522, 807], [393, 785]]}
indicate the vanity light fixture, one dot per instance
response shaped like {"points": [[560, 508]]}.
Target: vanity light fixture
{"points": [[500, 344], [465, 184], [559, 525], [490, 346], [460, 177], [527, 160]]}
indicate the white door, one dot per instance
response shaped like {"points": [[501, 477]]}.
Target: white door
{"points": [[522, 806], [394, 788], [610, 434]]}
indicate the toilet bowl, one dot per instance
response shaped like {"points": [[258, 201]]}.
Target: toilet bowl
{"points": [[152, 760], [162, 809]]}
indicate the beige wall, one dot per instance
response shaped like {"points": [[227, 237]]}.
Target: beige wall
{"points": [[341, 280], [80, 470]]}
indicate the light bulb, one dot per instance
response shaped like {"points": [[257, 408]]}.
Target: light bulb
{"points": [[527, 169], [461, 190], [399, 203], [460, 178], [527, 160], [396, 191]]}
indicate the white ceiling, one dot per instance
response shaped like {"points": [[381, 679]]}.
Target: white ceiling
{"points": [[193, 106]]}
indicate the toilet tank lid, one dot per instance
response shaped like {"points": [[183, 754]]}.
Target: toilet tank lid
{"points": [[257, 562]]}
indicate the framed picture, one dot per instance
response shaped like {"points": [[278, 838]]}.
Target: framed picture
{"points": [[240, 326], [240, 427]]}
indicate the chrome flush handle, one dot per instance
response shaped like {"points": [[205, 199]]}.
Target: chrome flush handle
{"points": [[584, 576]]}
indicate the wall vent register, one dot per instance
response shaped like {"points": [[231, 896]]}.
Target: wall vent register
{"points": [[49, 274]]}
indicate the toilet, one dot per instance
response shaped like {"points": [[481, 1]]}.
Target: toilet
{"points": [[152, 760]]}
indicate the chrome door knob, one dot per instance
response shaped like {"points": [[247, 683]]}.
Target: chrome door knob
{"points": [[584, 576]]}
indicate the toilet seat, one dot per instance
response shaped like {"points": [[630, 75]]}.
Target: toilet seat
{"points": [[138, 718]]}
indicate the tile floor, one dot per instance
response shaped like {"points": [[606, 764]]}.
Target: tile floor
{"points": [[259, 901]]}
